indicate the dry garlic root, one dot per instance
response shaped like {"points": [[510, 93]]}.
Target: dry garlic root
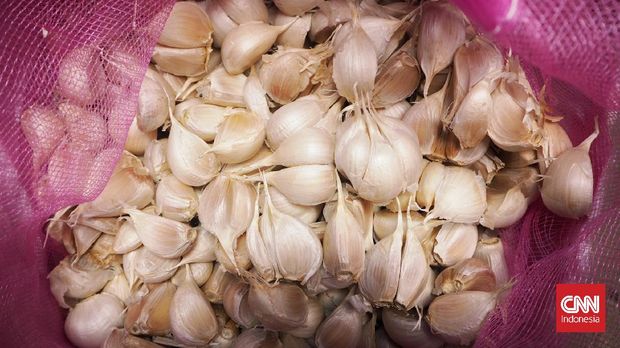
{"points": [[299, 190]]}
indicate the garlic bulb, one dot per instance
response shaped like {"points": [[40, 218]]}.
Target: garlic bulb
{"points": [[355, 62], [225, 209], [296, 7], [295, 35], [305, 185], [222, 23], [181, 61], [69, 283], [469, 274], [568, 184], [129, 186], [155, 101], [192, 320], [90, 322], [291, 118], [454, 243], [244, 45], [150, 315], [243, 11], [396, 80], [188, 26], [189, 157], [162, 236], [408, 329], [44, 130], [126, 238], [457, 317], [449, 204], [441, 32], [279, 307], [202, 119], [149, 267], [221, 88], [239, 137], [343, 245], [81, 78], [175, 200], [490, 250], [349, 317], [236, 304], [155, 158]]}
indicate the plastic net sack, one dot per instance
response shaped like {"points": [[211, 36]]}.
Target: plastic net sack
{"points": [[570, 47]]}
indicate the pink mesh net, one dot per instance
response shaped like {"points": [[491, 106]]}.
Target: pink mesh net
{"points": [[571, 46]]}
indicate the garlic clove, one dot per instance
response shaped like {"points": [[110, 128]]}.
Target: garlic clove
{"points": [[385, 33], [244, 45], [257, 338], [203, 249], [291, 118], [69, 283], [175, 200], [568, 184], [466, 275], [306, 147], [155, 158], [126, 238], [85, 128], [314, 318], [457, 317], [155, 102], [81, 78], [262, 259], [504, 207], [189, 157], [225, 209], [430, 180], [120, 338], [149, 267], [59, 229], [181, 61], [242, 258], [408, 329], [202, 119], [385, 222], [150, 315], [457, 183], [491, 251], [487, 166], [295, 7], [396, 80], [222, 23], [188, 26], [295, 35], [396, 110], [343, 244], [350, 317], [424, 118], [137, 141], [91, 321], [305, 185], [192, 319], [470, 121], [464, 156], [454, 243], [329, 15], [215, 287], [519, 159], [221, 88], [555, 141], [239, 137], [441, 33], [44, 130], [84, 238], [245, 11], [236, 304], [162, 236], [278, 307], [119, 287]]}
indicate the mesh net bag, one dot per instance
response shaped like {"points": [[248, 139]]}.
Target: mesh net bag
{"points": [[572, 47]]}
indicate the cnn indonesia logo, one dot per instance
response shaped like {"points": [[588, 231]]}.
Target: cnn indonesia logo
{"points": [[580, 307]]}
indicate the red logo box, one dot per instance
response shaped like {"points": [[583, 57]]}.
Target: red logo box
{"points": [[580, 308]]}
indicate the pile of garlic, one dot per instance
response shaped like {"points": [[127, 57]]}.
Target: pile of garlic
{"points": [[313, 173]]}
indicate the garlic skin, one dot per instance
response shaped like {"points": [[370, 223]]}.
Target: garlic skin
{"points": [[155, 159], [296, 7], [192, 319], [449, 204], [188, 26], [225, 209], [240, 136], [343, 245], [441, 33], [424, 118], [454, 243], [149, 316], [491, 251], [295, 35], [222, 88], [280, 307], [243, 11], [175, 200], [305, 185], [189, 157], [162, 236], [92, 320], [469, 274], [69, 283], [555, 141], [120, 338], [408, 330], [257, 338], [457, 317], [44, 130], [349, 317], [244, 45], [181, 61], [568, 184]]}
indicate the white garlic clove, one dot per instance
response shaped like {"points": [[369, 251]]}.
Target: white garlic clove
{"points": [[350, 317], [85, 128], [81, 77], [149, 315], [244, 45], [396, 80], [241, 261], [155, 101], [162, 236], [221, 88], [200, 272], [555, 141], [396, 110], [455, 153], [175, 200], [69, 283], [470, 122], [490, 250], [291, 118], [126, 238], [240, 136], [279, 307], [188, 26], [295, 7], [262, 258], [203, 249], [91, 321], [222, 23], [202, 119], [181, 61], [449, 204], [192, 318], [454, 243], [329, 15], [306, 147], [424, 118], [467, 275], [137, 141], [408, 329], [84, 238], [255, 96], [430, 180], [243, 11], [313, 319], [305, 185], [44, 130], [119, 287], [385, 33], [155, 158], [215, 287], [189, 157], [149, 267], [295, 35], [504, 207]]}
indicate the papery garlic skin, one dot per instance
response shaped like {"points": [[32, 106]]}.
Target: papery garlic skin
{"points": [[70, 283], [92, 320]]}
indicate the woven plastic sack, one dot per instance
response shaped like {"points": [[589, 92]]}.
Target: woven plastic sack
{"points": [[572, 47]]}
